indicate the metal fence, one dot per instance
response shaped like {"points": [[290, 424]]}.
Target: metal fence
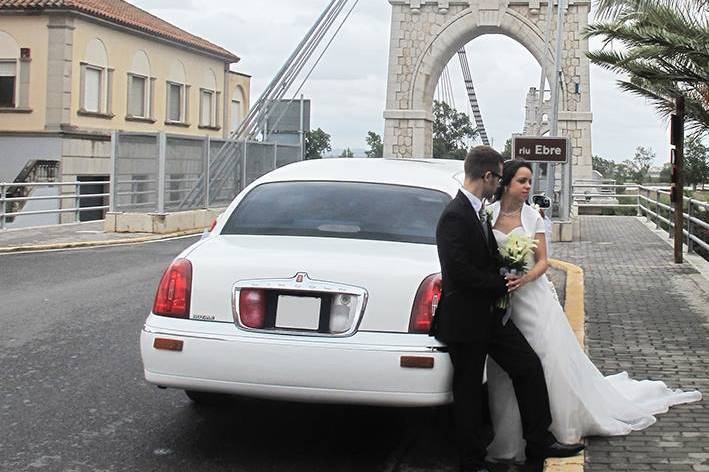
{"points": [[654, 204], [64, 202], [159, 172]]}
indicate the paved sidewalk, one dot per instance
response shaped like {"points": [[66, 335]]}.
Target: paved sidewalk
{"points": [[650, 317], [58, 236]]}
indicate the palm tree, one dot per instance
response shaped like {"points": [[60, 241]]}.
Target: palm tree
{"points": [[662, 46]]}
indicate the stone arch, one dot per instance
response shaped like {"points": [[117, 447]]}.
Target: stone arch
{"points": [[177, 72], [96, 53], [426, 34], [459, 31], [9, 49], [209, 81], [141, 63]]}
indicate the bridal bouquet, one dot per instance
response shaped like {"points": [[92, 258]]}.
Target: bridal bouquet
{"points": [[515, 253]]}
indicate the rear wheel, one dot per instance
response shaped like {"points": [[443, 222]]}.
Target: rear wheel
{"points": [[207, 398]]}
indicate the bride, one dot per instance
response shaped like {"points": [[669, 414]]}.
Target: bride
{"points": [[583, 402]]}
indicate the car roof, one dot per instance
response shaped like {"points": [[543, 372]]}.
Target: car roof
{"points": [[440, 174]]}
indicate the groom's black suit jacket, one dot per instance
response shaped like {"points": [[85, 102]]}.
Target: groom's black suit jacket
{"points": [[470, 272]]}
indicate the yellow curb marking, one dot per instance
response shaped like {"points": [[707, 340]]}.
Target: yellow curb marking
{"points": [[575, 312], [81, 244]]}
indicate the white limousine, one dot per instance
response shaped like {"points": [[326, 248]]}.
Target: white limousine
{"points": [[317, 284]]}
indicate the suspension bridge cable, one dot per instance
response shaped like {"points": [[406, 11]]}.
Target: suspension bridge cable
{"points": [[472, 97]]}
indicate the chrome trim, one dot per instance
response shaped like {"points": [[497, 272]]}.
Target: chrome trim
{"points": [[313, 343], [300, 282]]}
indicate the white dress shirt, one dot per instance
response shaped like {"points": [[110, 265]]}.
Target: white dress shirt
{"points": [[475, 201]]}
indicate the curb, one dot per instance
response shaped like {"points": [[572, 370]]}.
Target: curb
{"points": [[575, 311], [83, 244]]}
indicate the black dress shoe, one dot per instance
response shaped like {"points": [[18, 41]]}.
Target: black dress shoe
{"points": [[555, 449]]}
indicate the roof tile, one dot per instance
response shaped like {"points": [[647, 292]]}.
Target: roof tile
{"points": [[123, 13]]}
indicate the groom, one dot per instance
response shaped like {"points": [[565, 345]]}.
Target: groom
{"points": [[467, 321]]}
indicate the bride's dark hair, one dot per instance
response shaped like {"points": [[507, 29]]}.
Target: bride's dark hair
{"points": [[509, 170]]}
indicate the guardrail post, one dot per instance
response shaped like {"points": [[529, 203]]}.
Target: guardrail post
{"points": [[3, 208], [638, 212], [690, 227], [207, 157], [670, 217], [243, 167], [162, 150], [113, 183], [77, 201], [275, 156], [657, 209]]}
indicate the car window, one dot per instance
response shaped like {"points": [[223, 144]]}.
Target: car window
{"points": [[340, 210]]}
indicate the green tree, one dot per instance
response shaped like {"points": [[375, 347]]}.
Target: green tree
{"points": [[666, 173], [696, 163], [507, 152], [604, 166], [316, 143], [623, 172], [661, 46], [376, 147], [347, 153], [639, 166], [452, 132]]}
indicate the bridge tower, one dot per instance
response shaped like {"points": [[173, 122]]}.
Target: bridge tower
{"points": [[425, 34]]}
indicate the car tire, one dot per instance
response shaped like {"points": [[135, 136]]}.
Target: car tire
{"points": [[207, 398]]}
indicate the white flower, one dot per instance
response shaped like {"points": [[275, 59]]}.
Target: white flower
{"points": [[536, 207], [489, 211]]}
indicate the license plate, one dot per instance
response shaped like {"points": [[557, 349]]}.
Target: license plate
{"points": [[298, 312]]}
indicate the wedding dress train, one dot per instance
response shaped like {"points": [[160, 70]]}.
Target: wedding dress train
{"points": [[583, 401]]}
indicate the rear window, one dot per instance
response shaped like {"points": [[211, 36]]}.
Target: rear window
{"points": [[340, 210]]}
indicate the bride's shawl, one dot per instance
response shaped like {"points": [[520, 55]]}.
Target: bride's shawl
{"points": [[532, 221]]}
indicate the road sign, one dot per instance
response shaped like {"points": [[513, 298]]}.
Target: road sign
{"points": [[540, 149]]}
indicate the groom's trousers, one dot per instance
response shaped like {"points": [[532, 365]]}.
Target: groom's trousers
{"points": [[508, 347]]}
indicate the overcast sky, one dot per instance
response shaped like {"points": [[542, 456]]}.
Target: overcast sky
{"points": [[348, 89]]}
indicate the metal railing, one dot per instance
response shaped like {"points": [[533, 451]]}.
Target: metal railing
{"points": [[653, 203], [693, 225], [74, 199], [161, 172]]}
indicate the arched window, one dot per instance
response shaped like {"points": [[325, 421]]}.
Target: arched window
{"points": [[209, 101], [178, 95], [96, 81], [141, 88], [237, 107], [11, 93]]}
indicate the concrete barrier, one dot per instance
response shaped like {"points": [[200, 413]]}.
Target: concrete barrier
{"points": [[160, 223]]}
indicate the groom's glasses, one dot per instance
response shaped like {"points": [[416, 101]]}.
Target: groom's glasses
{"points": [[499, 177]]}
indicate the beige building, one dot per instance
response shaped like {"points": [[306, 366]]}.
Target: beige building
{"points": [[72, 71]]}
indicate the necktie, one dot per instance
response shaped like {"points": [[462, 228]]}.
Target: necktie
{"points": [[483, 220]]}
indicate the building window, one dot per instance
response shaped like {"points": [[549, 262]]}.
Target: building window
{"points": [[235, 114], [96, 81], [141, 89], [176, 103], [8, 80], [96, 90], [138, 96], [92, 90], [207, 107]]}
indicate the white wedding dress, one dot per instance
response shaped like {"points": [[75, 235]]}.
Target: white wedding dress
{"points": [[583, 402]]}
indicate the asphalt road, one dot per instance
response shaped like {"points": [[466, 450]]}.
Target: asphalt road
{"points": [[73, 397]]}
